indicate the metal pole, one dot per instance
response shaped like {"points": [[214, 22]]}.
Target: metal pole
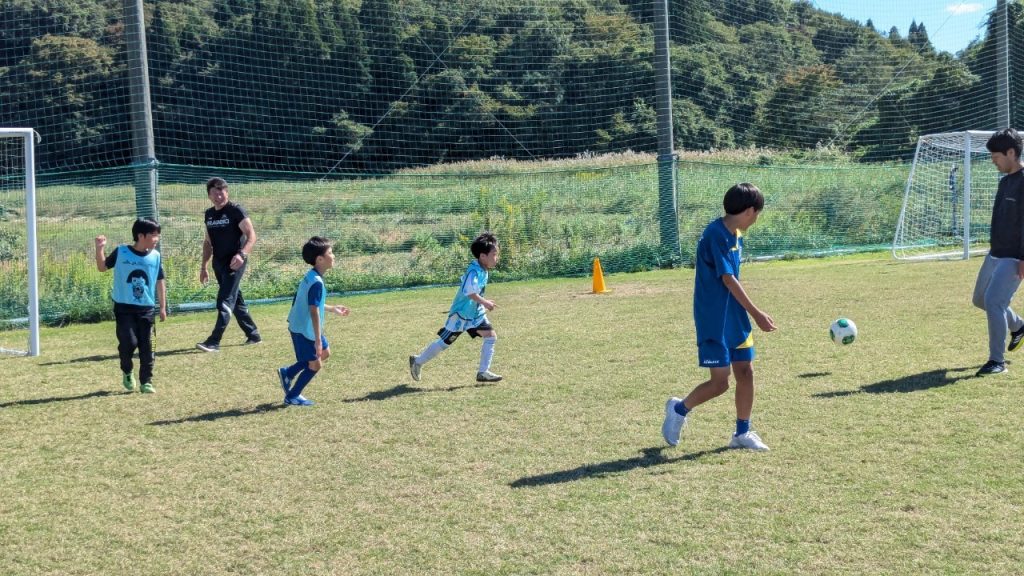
{"points": [[668, 212], [33, 244], [1002, 66], [968, 153], [143, 148]]}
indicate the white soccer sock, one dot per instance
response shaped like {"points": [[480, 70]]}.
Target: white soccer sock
{"points": [[486, 353], [435, 348]]}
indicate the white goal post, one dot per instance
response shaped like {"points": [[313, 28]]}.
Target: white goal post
{"points": [[947, 204], [18, 171]]}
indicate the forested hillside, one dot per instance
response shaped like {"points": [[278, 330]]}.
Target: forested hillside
{"points": [[378, 85]]}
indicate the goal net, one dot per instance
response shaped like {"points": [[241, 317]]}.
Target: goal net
{"points": [[19, 300], [947, 204]]}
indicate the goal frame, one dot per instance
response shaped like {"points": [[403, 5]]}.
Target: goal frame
{"points": [[28, 136], [972, 141]]}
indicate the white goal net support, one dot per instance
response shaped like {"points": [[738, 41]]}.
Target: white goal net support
{"points": [[18, 244], [947, 206]]}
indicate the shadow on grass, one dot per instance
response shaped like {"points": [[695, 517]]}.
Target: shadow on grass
{"points": [[235, 413], [403, 389], [650, 457], [813, 374], [32, 401], [104, 357], [912, 383]]}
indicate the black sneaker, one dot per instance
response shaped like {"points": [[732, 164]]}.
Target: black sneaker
{"points": [[207, 347], [252, 340], [1016, 339], [992, 367]]}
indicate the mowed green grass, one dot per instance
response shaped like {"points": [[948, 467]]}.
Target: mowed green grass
{"points": [[888, 456]]}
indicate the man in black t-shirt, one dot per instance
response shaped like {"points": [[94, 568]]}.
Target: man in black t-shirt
{"points": [[228, 242]]}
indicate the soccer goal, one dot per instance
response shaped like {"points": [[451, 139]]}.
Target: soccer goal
{"points": [[18, 260], [947, 205]]}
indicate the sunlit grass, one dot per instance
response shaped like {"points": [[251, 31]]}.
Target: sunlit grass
{"points": [[887, 457]]}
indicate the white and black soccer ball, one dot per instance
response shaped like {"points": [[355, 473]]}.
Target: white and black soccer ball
{"points": [[843, 331]]}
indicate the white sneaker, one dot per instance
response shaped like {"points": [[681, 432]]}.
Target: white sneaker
{"points": [[414, 368], [674, 423], [750, 441], [487, 376]]}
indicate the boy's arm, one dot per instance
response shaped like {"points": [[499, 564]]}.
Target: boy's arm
{"points": [[339, 309], [101, 243], [487, 304], [314, 315], [161, 296], [764, 321], [204, 274]]}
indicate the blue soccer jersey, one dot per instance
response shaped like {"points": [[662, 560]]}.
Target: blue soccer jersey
{"points": [[474, 281], [719, 317]]}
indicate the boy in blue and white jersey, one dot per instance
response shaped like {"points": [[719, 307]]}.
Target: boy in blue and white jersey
{"points": [[468, 312], [306, 321], [720, 311], [138, 287]]}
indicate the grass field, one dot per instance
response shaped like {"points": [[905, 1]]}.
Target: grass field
{"points": [[888, 456]]}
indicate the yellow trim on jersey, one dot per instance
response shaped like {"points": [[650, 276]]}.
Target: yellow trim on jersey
{"points": [[748, 343]]}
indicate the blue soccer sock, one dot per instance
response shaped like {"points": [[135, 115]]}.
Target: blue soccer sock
{"points": [[292, 371], [300, 383], [742, 427], [681, 409]]}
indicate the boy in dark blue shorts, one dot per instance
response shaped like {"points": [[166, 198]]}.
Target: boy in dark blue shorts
{"points": [[720, 306], [306, 321], [138, 288]]}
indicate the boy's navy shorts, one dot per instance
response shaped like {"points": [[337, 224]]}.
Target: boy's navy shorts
{"points": [[304, 349], [714, 354]]}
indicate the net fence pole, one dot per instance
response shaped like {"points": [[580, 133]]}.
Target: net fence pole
{"points": [[143, 147], [1002, 66], [668, 211]]}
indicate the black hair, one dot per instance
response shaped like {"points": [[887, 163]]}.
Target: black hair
{"points": [[144, 226], [1004, 140], [483, 244], [743, 196], [314, 248], [216, 182]]}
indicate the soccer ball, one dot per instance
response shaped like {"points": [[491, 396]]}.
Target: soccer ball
{"points": [[843, 331]]}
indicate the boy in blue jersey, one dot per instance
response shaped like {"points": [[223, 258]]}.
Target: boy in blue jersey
{"points": [[720, 311], [468, 312], [306, 321], [138, 288]]}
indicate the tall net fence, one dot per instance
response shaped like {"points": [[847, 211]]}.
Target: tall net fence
{"points": [[401, 128]]}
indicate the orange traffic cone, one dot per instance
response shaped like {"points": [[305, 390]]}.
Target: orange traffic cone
{"points": [[598, 277]]}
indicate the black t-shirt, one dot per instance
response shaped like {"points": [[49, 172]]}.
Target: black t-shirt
{"points": [[1007, 233], [225, 235], [111, 262]]}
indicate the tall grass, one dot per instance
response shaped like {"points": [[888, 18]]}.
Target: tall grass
{"points": [[414, 227]]}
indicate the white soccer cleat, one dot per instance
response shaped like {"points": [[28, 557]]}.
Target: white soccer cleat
{"points": [[414, 368], [487, 376], [750, 441], [674, 423]]}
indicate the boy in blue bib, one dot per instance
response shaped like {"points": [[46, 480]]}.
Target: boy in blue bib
{"points": [[468, 312], [306, 323], [138, 288]]}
